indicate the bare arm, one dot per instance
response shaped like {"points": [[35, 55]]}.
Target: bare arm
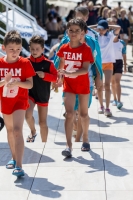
{"points": [[2, 83], [93, 26], [125, 62], [116, 28], [62, 63], [28, 84], [82, 71], [129, 33]]}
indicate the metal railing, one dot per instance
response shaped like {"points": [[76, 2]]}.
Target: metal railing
{"points": [[14, 8]]}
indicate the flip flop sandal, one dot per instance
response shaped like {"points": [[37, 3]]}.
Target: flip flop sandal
{"points": [[11, 162], [19, 173], [31, 139], [67, 152], [85, 147]]}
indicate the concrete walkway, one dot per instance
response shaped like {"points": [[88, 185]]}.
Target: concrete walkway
{"points": [[104, 173]]}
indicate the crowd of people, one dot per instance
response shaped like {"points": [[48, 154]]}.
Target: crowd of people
{"points": [[82, 61], [119, 15]]}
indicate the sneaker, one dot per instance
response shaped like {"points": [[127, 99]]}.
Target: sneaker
{"points": [[114, 103], [119, 105], [107, 112], [67, 153], [101, 110]]}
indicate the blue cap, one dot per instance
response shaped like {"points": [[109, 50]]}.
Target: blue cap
{"points": [[102, 24]]}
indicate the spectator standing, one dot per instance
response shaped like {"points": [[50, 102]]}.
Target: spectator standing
{"points": [[125, 25]]}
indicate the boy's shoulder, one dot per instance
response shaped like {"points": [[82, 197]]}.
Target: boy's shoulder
{"points": [[39, 60]]}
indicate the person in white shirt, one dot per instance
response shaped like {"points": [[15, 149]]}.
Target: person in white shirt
{"points": [[106, 39], [120, 56]]}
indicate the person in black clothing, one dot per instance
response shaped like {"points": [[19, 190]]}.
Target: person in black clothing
{"points": [[40, 92], [125, 26], [93, 14]]}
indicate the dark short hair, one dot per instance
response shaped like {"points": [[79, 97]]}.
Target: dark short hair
{"points": [[37, 39], [83, 10], [77, 22], [12, 37]]}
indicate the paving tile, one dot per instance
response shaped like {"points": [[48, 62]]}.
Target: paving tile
{"points": [[14, 195], [11, 183], [116, 145], [93, 158], [119, 195], [76, 145], [118, 157], [32, 157], [119, 178], [69, 178], [116, 134], [93, 134], [65, 195]]}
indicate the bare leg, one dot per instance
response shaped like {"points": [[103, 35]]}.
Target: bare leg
{"points": [[14, 125], [30, 120], [108, 76], [117, 78], [8, 120], [18, 120], [83, 100], [69, 101], [99, 87], [42, 112], [113, 87], [79, 130]]}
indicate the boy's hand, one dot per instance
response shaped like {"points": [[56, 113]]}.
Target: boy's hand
{"points": [[8, 77], [12, 84], [41, 74]]}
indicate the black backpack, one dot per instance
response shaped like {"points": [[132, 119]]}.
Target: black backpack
{"points": [[1, 123]]}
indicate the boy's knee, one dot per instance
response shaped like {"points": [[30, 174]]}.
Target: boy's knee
{"points": [[84, 116], [107, 86], [69, 114], [42, 124], [17, 130]]}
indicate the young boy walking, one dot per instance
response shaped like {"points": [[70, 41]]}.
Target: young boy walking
{"points": [[75, 58], [16, 79], [40, 92]]}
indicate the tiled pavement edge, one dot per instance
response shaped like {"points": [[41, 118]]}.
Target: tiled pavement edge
{"points": [[105, 173]]}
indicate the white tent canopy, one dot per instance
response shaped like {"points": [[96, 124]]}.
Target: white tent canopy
{"points": [[64, 3], [26, 28]]}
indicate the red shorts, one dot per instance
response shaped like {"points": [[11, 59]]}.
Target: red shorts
{"points": [[38, 103], [18, 105], [78, 87]]}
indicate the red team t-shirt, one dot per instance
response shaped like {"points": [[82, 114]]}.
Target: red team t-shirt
{"points": [[74, 58], [16, 98]]}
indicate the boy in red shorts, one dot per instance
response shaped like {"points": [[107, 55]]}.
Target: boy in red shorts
{"points": [[16, 78], [40, 93], [75, 58]]}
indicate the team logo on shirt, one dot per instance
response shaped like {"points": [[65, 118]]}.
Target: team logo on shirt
{"points": [[13, 71], [72, 56]]}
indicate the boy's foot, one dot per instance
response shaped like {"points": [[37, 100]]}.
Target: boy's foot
{"points": [[18, 171], [107, 112], [85, 147], [67, 152], [114, 103], [101, 110], [11, 164], [31, 138], [119, 105]]}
